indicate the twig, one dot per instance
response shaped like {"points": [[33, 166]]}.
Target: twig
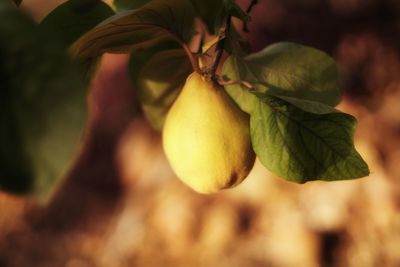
{"points": [[220, 45], [248, 11], [250, 7]]}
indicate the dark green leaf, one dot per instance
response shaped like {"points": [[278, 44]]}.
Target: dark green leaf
{"points": [[309, 106], [158, 74], [153, 23], [235, 70], [284, 69], [129, 4], [213, 12], [43, 104], [73, 18], [235, 44], [302, 146]]}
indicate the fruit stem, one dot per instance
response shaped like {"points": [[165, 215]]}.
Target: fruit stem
{"points": [[192, 58], [220, 46], [189, 53]]}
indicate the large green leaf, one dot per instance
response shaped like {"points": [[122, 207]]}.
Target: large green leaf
{"points": [[129, 4], [314, 142], [284, 69], [73, 18], [43, 104], [212, 12], [155, 22], [158, 74]]}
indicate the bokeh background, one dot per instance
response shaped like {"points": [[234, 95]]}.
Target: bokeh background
{"points": [[121, 205]]}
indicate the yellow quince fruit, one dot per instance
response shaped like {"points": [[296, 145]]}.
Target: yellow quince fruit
{"points": [[206, 137]]}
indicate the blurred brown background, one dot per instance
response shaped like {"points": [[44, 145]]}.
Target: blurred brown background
{"points": [[121, 204]]}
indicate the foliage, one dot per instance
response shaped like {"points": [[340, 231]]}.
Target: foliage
{"points": [[158, 87], [289, 90], [155, 22], [129, 4], [44, 107], [73, 18], [285, 69], [314, 142]]}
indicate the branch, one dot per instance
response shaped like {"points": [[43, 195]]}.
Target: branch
{"points": [[248, 11], [220, 45], [250, 7]]}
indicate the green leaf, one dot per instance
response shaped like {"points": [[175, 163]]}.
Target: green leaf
{"points": [[309, 106], [73, 18], [283, 69], [235, 69], [213, 12], [301, 145], [158, 74], [235, 44], [43, 104], [129, 4], [153, 23]]}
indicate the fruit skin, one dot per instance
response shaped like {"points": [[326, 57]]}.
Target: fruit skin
{"points": [[206, 137]]}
